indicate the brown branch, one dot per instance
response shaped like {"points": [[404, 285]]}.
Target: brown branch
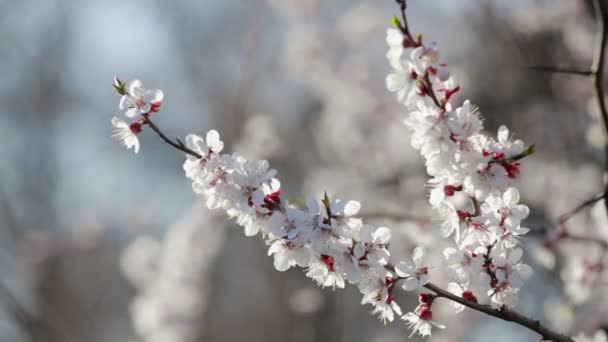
{"points": [[504, 313], [177, 144]]}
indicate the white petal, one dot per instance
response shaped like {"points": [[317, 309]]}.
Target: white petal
{"points": [[410, 284], [351, 208], [214, 142], [511, 197], [503, 134], [134, 86], [125, 102], [395, 81], [154, 96], [382, 235], [419, 255], [131, 112]]}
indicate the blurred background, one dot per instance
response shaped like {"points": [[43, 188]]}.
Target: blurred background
{"points": [[98, 244]]}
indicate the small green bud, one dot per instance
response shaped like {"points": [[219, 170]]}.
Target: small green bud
{"points": [[396, 22], [119, 86]]}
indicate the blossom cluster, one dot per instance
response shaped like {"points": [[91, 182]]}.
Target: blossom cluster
{"points": [[330, 239], [472, 174]]}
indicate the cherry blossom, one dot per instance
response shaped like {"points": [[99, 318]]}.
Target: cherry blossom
{"points": [[416, 274], [126, 134], [139, 100]]}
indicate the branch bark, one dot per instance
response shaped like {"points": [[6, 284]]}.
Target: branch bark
{"points": [[504, 314]]}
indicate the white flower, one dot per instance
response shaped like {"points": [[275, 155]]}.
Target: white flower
{"points": [[463, 263], [323, 270], [394, 39], [139, 100], [417, 274], [288, 253], [421, 323], [376, 291], [505, 211], [509, 269], [207, 147], [371, 246], [126, 134]]}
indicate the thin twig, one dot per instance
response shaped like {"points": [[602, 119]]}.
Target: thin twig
{"points": [[565, 217], [177, 144]]}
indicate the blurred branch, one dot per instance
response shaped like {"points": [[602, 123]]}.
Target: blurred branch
{"points": [[598, 78], [566, 216], [253, 41], [33, 327], [559, 70], [394, 216], [596, 73]]}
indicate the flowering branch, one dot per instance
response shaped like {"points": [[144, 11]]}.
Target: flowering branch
{"points": [[331, 240], [504, 314]]}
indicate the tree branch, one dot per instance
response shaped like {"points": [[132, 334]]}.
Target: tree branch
{"points": [[177, 144], [504, 313]]}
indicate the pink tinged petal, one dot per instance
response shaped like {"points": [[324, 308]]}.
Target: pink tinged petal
{"points": [[419, 255], [352, 208], [134, 86]]}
